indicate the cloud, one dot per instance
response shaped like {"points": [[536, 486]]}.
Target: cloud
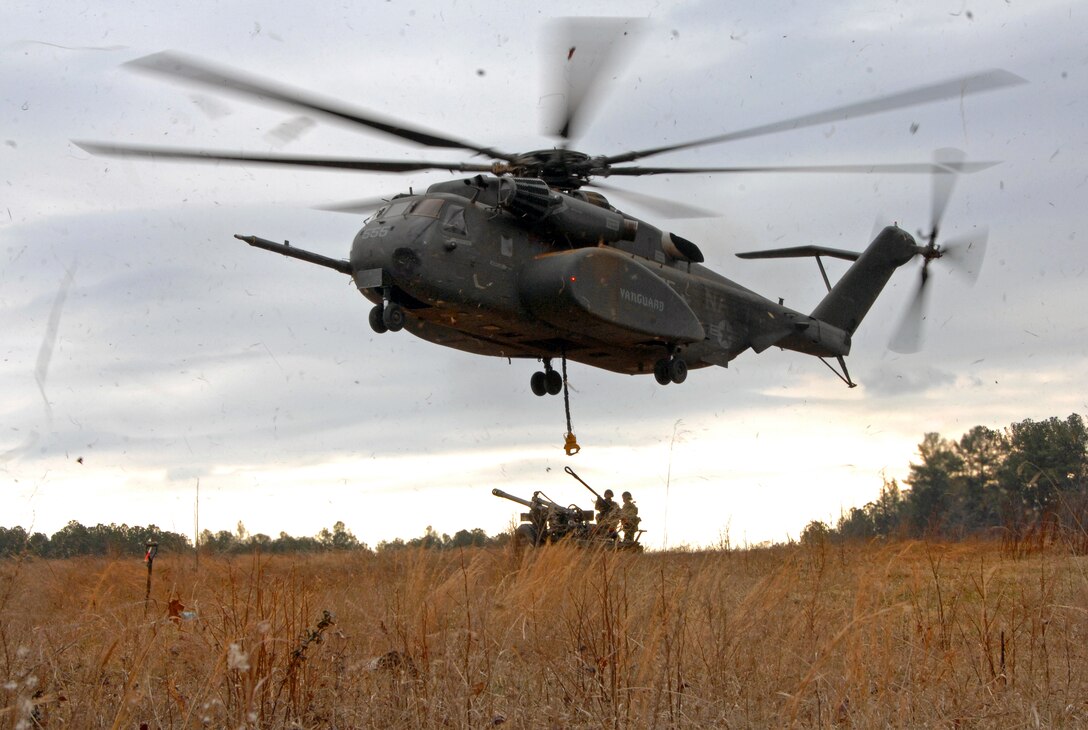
{"points": [[890, 380]]}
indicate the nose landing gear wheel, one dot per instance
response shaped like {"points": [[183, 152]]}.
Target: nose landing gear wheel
{"points": [[538, 383], [393, 317], [376, 322]]}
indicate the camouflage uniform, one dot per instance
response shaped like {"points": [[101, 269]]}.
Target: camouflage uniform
{"points": [[608, 514], [629, 518]]}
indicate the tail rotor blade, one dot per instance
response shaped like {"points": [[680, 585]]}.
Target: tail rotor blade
{"points": [[966, 253], [908, 335], [949, 160]]}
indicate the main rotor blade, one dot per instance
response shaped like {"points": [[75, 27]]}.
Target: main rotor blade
{"points": [[593, 48], [661, 206], [905, 167], [359, 206], [337, 163], [962, 86], [183, 68]]}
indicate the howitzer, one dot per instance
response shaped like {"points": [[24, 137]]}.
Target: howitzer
{"points": [[548, 521]]}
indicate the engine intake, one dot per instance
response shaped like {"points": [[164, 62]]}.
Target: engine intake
{"points": [[578, 222], [681, 248], [527, 197]]}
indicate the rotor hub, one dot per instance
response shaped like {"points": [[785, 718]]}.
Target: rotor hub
{"points": [[560, 168]]}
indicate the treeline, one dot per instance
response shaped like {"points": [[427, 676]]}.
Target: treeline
{"points": [[340, 538], [1028, 478], [1020, 480], [431, 540], [225, 542], [75, 539]]}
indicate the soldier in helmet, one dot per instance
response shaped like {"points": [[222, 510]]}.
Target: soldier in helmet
{"points": [[629, 518], [608, 514]]}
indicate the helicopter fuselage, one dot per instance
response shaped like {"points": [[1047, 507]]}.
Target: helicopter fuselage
{"points": [[512, 268]]}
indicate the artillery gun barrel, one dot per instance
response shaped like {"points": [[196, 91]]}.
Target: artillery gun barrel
{"points": [[506, 495], [535, 502]]}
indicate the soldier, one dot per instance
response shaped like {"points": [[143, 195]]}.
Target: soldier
{"points": [[629, 518], [608, 514]]}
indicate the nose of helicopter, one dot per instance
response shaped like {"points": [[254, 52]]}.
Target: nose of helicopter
{"points": [[390, 247]]}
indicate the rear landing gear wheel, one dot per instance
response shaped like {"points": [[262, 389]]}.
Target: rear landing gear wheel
{"points": [[548, 381], [678, 370], [670, 370], [376, 322], [393, 317], [661, 372]]}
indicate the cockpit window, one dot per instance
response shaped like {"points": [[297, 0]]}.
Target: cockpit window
{"points": [[454, 220], [428, 207], [398, 208]]}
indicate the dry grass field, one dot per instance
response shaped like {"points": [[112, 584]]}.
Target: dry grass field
{"points": [[905, 634]]}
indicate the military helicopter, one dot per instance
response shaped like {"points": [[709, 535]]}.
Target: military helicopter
{"points": [[520, 259]]}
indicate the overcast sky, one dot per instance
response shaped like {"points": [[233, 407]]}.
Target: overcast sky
{"points": [[167, 352]]}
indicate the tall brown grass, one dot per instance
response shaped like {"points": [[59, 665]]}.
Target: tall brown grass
{"points": [[903, 634]]}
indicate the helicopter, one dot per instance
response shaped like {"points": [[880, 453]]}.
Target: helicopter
{"points": [[520, 258]]}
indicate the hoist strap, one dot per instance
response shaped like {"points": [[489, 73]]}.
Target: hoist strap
{"points": [[571, 443]]}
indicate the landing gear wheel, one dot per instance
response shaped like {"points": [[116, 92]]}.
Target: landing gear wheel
{"points": [[539, 383], [553, 382], [678, 370], [376, 322], [670, 370], [393, 317], [661, 372]]}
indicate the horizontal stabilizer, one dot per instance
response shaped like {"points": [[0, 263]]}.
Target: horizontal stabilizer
{"points": [[767, 339], [800, 252]]}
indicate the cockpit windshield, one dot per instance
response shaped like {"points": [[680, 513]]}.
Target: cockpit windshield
{"points": [[428, 208], [397, 209]]}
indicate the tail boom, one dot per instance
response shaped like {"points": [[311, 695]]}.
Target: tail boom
{"points": [[853, 295]]}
